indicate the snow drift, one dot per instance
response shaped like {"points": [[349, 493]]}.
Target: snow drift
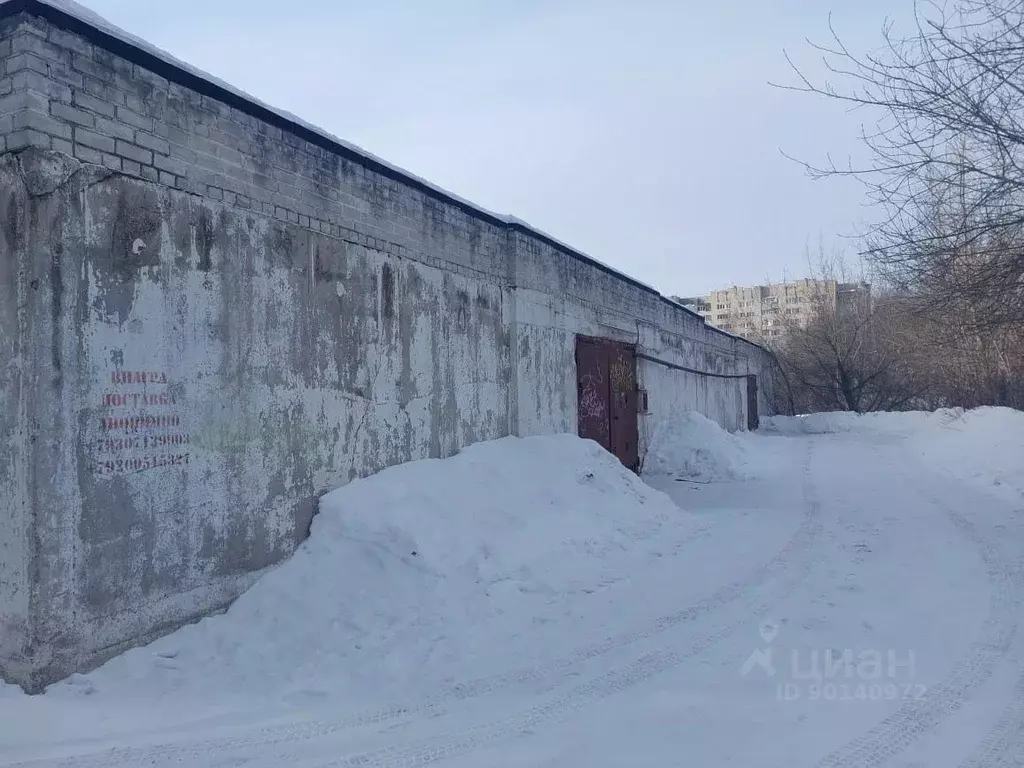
{"points": [[421, 562], [695, 448], [847, 421], [983, 446]]}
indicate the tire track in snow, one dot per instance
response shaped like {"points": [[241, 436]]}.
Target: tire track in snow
{"points": [[921, 715], [798, 550], [1004, 745]]}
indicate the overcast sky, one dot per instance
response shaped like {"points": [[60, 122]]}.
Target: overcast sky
{"points": [[643, 132]]}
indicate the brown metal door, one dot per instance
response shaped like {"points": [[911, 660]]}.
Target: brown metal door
{"points": [[753, 419], [592, 392], [624, 431], [607, 396]]}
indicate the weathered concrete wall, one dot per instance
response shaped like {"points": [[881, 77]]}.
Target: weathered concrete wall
{"points": [[227, 319], [671, 392], [558, 296], [16, 383], [213, 372]]}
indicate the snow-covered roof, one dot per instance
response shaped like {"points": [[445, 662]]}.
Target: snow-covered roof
{"points": [[68, 6], [78, 18]]}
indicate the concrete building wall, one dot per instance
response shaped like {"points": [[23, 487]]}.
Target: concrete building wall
{"points": [[219, 319], [16, 374], [206, 388], [672, 392], [559, 296]]}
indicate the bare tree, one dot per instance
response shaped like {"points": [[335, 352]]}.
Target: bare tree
{"points": [[958, 365], [845, 355], [947, 153]]}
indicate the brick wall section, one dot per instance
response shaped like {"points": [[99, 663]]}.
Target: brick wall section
{"points": [[9, 100], [70, 95]]}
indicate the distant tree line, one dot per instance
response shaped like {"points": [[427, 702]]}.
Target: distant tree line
{"points": [[892, 350], [946, 173]]}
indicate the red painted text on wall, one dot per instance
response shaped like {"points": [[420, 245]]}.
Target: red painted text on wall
{"points": [[114, 399], [133, 423], [138, 377]]}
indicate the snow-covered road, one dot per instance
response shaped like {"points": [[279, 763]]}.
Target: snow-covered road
{"points": [[854, 599]]}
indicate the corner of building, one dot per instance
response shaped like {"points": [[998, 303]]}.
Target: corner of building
{"points": [[26, 88], [17, 427], [36, 166]]}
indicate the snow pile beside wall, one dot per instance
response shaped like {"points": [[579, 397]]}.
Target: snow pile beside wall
{"points": [[693, 447], [422, 562]]}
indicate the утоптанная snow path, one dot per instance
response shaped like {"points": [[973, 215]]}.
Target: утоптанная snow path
{"points": [[878, 504], [781, 573], [1005, 742], [994, 527], [920, 714]]}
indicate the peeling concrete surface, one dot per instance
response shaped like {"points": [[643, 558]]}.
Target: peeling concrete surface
{"points": [[208, 375]]}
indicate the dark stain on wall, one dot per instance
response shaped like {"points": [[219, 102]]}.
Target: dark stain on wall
{"points": [[387, 288], [131, 244], [280, 246], [407, 390], [247, 545], [110, 573], [12, 218], [135, 238], [56, 307], [109, 505], [328, 260], [204, 241], [460, 310], [475, 232]]}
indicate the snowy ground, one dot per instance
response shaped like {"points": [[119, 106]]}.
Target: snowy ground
{"points": [[834, 591]]}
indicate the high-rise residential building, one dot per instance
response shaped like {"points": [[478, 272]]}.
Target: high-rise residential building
{"points": [[763, 312]]}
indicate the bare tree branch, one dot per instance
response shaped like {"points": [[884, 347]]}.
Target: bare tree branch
{"points": [[946, 146]]}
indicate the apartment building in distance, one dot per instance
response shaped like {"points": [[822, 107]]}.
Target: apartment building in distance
{"points": [[762, 312]]}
